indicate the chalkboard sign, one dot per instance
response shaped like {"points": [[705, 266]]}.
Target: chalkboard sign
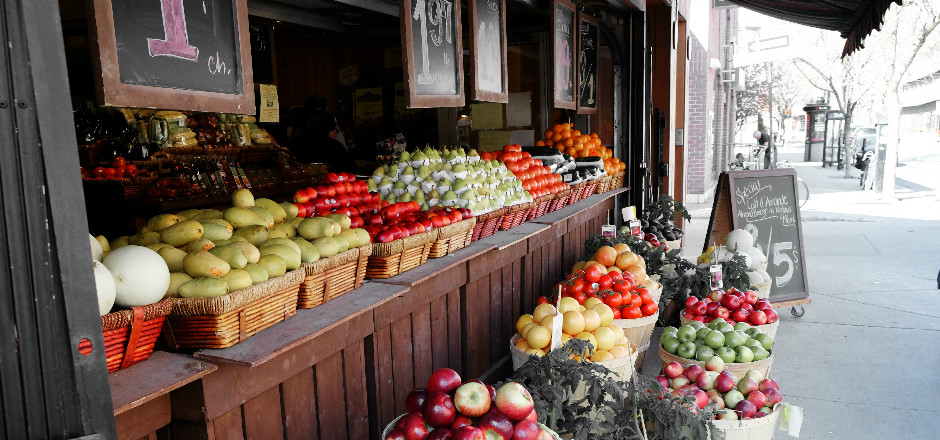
{"points": [[765, 203], [433, 55], [588, 44], [173, 54], [488, 47], [565, 47]]}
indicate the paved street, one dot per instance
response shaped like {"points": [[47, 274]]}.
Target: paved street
{"points": [[862, 360]]}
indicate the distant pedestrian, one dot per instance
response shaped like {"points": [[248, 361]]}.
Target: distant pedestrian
{"points": [[764, 140]]}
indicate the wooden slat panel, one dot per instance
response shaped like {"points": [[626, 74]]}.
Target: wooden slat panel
{"points": [[421, 337], [495, 296], [331, 398], [384, 377], [143, 420], [357, 407], [511, 301], [478, 327], [228, 426], [440, 357], [455, 331], [402, 361], [300, 406], [263, 418]]}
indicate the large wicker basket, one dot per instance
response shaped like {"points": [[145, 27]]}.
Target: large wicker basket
{"points": [[226, 320], [397, 256], [516, 215], [487, 223], [452, 237], [130, 335], [330, 277], [638, 331], [560, 200], [603, 184]]}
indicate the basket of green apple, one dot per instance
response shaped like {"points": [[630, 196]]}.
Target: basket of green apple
{"points": [[738, 350], [451, 408], [747, 408]]}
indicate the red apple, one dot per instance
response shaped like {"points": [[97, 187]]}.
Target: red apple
{"points": [[679, 382], [739, 315], [514, 401], [492, 391], [732, 302], [385, 236], [757, 317], [460, 420], [711, 307], [750, 297], [772, 315], [724, 383], [533, 416], [301, 197], [762, 304], [525, 430], [672, 370], [495, 425], [715, 396], [412, 426], [715, 364], [727, 414], [773, 397], [747, 385], [663, 380], [395, 434], [416, 399], [468, 433], [440, 434], [706, 380], [746, 408], [701, 399], [692, 371], [443, 380], [473, 400], [757, 398], [767, 384], [716, 295], [438, 410], [544, 435], [109, 173]]}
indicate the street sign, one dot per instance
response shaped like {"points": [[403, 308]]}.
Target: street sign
{"points": [[768, 44], [761, 51]]}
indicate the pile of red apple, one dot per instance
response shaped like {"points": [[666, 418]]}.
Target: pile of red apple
{"points": [[750, 397], [450, 409], [119, 169], [349, 197], [731, 305], [404, 219]]}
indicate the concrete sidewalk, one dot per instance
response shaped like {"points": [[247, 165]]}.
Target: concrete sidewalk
{"points": [[862, 360]]}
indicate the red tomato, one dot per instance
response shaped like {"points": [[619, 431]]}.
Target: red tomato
{"points": [[589, 289], [645, 295], [649, 309], [580, 298], [636, 300], [616, 313], [613, 300], [605, 281], [577, 286], [592, 274], [543, 300], [631, 312], [616, 276], [118, 162]]}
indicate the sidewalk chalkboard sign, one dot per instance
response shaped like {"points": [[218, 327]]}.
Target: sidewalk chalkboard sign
{"points": [[565, 48], [765, 202], [433, 55], [588, 45], [488, 43], [173, 54]]}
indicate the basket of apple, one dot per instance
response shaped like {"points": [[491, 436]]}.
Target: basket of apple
{"points": [[449, 408], [733, 306], [747, 408], [740, 349], [611, 347]]}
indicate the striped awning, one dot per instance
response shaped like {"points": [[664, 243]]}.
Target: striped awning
{"points": [[853, 19]]}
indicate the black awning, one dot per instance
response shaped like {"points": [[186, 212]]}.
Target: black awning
{"points": [[853, 19]]}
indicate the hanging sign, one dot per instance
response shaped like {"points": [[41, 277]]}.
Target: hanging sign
{"points": [[173, 54], [433, 53], [488, 47], [588, 44], [564, 31], [765, 203]]}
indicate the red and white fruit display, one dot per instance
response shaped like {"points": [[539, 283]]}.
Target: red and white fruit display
{"points": [[733, 306], [340, 194], [750, 397], [449, 408]]}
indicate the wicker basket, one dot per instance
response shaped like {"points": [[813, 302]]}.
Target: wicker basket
{"points": [[130, 335], [515, 216], [451, 237], [738, 369], [487, 223], [603, 184], [639, 330], [328, 278], [617, 181], [397, 256], [560, 201], [578, 192], [541, 207], [226, 320], [753, 429]]}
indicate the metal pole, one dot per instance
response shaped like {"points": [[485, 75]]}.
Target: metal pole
{"points": [[773, 150]]}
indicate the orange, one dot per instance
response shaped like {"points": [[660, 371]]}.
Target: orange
{"points": [[522, 321], [601, 356], [540, 143], [575, 133], [571, 151], [556, 137], [521, 344], [606, 338], [549, 133], [568, 142], [625, 260], [606, 256], [566, 126], [557, 128], [592, 320], [578, 145]]}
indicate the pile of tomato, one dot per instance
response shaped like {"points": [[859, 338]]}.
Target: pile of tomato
{"points": [[620, 291], [537, 179]]}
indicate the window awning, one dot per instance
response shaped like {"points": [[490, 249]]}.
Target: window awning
{"points": [[854, 19]]}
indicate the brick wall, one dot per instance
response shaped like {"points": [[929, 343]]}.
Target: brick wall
{"points": [[700, 98]]}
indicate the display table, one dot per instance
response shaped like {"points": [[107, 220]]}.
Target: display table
{"points": [[344, 368]]}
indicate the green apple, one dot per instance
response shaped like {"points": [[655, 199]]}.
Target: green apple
{"points": [[715, 339], [704, 353], [752, 332], [725, 328], [735, 339], [732, 398], [686, 350], [700, 333], [686, 333], [670, 343], [744, 356], [715, 323], [726, 354], [752, 344], [760, 354], [765, 340], [670, 330], [742, 326], [696, 324], [755, 374]]}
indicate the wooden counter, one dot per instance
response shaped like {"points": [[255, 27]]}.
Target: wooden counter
{"points": [[343, 369]]}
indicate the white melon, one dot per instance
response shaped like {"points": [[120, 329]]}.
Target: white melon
{"points": [[104, 285], [141, 276]]}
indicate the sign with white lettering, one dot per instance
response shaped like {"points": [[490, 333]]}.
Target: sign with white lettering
{"points": [[588, 45], [565, 47], [488, 47], [173, 54], [433, 53]]}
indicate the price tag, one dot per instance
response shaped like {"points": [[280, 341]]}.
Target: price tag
{"points": [[715, 277], [557, 323], [609, 231], [791, 420], [635, 227]]}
